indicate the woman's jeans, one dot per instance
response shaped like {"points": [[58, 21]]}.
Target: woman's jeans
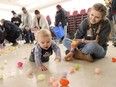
{"points": [[92, 48]]}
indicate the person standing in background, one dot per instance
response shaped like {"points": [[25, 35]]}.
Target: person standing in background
{"points": [[61, 17], [27, 20], [40, 21]]}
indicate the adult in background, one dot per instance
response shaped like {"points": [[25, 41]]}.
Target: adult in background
{"points": [[26, 18], [16, 19], [61, 17], [40, 21], [27, 21], [12, 31]]}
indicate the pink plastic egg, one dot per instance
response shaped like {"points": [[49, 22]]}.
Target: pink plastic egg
{"points": [[55, 84], [52, 80], [20, 64], [97, 71], [71, 70]]}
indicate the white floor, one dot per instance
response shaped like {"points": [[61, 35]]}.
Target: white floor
{"points": [[84, 77]]}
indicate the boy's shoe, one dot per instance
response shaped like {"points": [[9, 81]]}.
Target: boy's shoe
{"points": [[82, 56], [15, 44]]}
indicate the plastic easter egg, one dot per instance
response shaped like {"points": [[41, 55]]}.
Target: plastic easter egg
{"points": [[64, 82], [71, 70], [52, 79], [76, 67], [55, 84], [1, 76], [5, 61], [73, 44], [41, 77], [20, 64], [64, 74], [97, 71]]}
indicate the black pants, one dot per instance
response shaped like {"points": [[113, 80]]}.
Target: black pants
{"points": [[12, 38]]}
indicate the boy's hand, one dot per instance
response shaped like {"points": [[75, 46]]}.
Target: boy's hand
{"points": [[58, 58], [43, 68]]}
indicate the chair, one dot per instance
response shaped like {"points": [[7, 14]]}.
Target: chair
{"points": [[83, 11], [68, 13]]}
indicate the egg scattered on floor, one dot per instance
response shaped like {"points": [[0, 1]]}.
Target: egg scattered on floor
{"points": [[97, 70], [64, 74], [5, 61], [20, 64], [71, 70], [41, 77], [1, 76], [52, 79], [76, 67]]}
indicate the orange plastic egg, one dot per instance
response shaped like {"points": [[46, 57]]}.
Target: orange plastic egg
{"points": [[73, 44], [64, 82]]}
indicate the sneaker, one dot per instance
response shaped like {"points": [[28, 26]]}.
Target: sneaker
{"points": [[82, 56]]}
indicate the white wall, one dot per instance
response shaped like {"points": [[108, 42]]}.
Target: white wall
{"points": [[5, 15]]}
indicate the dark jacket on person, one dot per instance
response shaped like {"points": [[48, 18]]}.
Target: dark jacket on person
{"points": [[12, 31], [16, 20], [1, 35], [60, 17]]}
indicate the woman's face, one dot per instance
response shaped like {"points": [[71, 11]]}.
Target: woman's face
{"points": [[95, 16], [38, 15]]}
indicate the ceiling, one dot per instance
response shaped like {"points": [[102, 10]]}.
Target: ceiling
{"points": [[8, 5]]}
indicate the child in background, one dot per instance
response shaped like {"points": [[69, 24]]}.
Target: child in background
{"points": [[35, 29], [28, 35], [44, 49]]}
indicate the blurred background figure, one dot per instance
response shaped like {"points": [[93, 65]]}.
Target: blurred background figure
{"points": [[16, 19], [61, 17], [12, 32], [28, 35], [39, 20], [49, 20], [27, 21]]}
